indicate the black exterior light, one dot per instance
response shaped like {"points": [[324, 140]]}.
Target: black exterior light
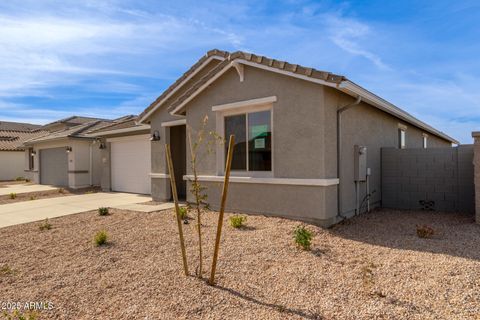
{"points": [[68, 149], [102, 146], [155, 136], [33, 153]]}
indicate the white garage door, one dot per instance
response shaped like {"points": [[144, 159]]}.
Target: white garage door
{"points": [[130, 164]]}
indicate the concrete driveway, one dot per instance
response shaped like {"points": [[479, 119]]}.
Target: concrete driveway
{"points": [[24, 188], [36, 210]]}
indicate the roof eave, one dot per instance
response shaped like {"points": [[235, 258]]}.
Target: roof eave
{"points": [[355, 90], [146, 116]]}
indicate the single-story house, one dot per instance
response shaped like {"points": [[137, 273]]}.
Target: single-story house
{"points": [[12, 151], [125, 156], [307, 141], [66, 155]]}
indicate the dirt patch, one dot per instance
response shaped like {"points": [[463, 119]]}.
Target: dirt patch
{"points": [[374, 266], [31, 196]]}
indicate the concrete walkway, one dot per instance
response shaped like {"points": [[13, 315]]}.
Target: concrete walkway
{"points": [[24, 188], [36, 210]]}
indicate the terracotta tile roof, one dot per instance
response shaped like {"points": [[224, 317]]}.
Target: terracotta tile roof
{"points": [[11, 140], [79, 131], [261, 60], [18, 126], [211, 53], [128, 123]]}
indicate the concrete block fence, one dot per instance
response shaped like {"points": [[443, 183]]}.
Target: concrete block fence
{"points": [[438, 179], [476, 163]]}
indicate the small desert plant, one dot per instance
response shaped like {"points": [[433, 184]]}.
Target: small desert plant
{"points": [[89, 191], [61, 190], [27, 180], [102, 211], [33, 198], [100, 238], [425, 232], [6, 270], [183, 211], [20, 179], [237, 221], [17, 315], [303, 237], [13, 195], [45, 225]]}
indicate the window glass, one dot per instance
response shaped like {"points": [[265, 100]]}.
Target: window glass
{"points": [[259, 141], [401, 134], [236, 125]]}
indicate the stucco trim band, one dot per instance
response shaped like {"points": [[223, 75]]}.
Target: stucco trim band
{"points": [[159, 175], [174, 123], [245, 103], [286, 181]]}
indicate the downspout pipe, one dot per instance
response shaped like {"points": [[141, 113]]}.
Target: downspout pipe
{"points": [[339, 151]]}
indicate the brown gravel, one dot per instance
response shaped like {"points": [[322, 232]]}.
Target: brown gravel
{"points": [[31, 196], [371, 267]]}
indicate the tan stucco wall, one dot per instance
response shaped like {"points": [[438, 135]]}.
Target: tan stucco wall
{"points": [[12, 164], [304, 144], [366, 126], [476, 163], [78, 161]]}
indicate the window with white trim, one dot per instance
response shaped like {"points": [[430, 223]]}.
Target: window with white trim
{"points": [[253, 140], [401, 138]]}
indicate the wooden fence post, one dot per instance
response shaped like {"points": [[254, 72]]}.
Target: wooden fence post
{"points": [[228, 165], [177, 208]]}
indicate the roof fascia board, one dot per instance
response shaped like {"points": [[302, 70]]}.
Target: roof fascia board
{"points": [[288, 73], [203, 65], [179, 108], [123, 130], [355, 90]]}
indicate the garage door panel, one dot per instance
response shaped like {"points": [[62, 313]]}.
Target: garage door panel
{"points": [[54, 167], [130, 165]]}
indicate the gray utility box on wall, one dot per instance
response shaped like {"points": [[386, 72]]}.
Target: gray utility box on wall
{"points": [[360, 158]]}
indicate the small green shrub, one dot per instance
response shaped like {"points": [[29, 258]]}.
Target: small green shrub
{"points": [[425, 232], [103, 211], [61, 190], [20, 179], [45, 225], [33, 198], [303, 237], [6, 270], [18, 315], [237, 221], [13, 195], [183, 211], [100, 238]]}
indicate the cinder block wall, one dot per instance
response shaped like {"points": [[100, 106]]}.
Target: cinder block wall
{"points": [[476, 163], [439, 179]]}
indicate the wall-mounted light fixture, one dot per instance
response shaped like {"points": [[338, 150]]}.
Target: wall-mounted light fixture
{"points": [[155, 136], [102, 146], [33, 153], [68, 149]]}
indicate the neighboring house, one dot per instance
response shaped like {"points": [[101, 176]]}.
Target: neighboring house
{"points": [[300, 136], [125, 156], [66, 155], [12, 152]]}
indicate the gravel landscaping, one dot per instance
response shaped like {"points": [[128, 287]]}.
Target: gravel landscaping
{"points": [[371, 267], [31, 196]]}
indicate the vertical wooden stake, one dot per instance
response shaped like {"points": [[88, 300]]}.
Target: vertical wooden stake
{"points": [[228, 165], [177, 208]]}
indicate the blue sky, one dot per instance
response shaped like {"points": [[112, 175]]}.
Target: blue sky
{"points": [[110, 58]]}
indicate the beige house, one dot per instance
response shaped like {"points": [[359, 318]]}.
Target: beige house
{"points": [[307, 141], [12, 151], [125, 156], [66, 155]]}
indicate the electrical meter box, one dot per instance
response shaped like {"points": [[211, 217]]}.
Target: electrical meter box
{"points": [[360, 172]]}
